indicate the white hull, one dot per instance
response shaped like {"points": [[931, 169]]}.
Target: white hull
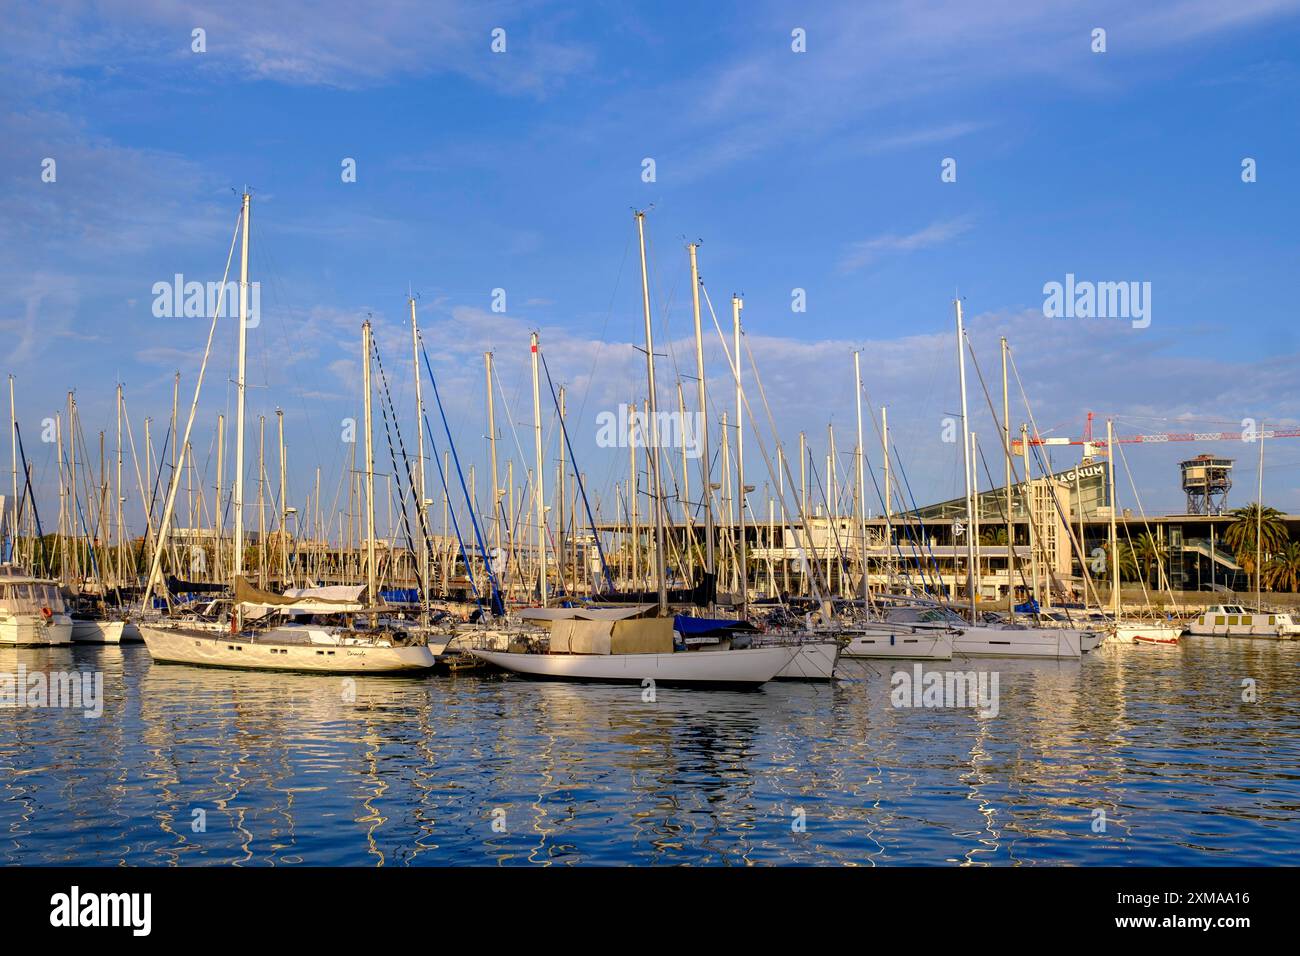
{"points": [[97, 632], [26, 630], [816, 660], [749, 667], [1165, 635], [1051, 642], [920, 644], [1278, 627], [194, 646]]}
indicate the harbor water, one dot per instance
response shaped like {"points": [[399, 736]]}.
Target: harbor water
{"points": [[1132, 756]]}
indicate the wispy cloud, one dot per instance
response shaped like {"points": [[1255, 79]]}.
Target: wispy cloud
{"points": [[867, 251]]}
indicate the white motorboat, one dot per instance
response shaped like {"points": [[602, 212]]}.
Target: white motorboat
{"points": [[1233, 620], [32, 613]]}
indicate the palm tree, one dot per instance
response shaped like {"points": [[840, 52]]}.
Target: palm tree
{"points": [[1151, 553], [1283, 572], [1241, 534], [992, 535], [1128, 561]]}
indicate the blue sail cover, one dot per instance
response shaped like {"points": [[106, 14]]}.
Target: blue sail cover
{"points": [[696, 626], [1029, 607]]}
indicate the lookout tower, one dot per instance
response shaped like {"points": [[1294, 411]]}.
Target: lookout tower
{"points": [[1206, 480]]}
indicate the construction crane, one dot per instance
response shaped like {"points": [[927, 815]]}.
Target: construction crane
{"points": [[1092, 445]]}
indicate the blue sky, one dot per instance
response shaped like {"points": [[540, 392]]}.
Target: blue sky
{"points": [[518, 170]]}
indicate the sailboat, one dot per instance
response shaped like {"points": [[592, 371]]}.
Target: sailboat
{"points": [[636, 650], [1130, 630], [347, 649]]}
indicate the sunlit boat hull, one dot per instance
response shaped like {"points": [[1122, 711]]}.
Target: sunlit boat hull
{"points": [[27, 630], [816, 660], [750, 667], [204, 648], [918, 644], [1050, 642], [1160, 635], [97, 632]]}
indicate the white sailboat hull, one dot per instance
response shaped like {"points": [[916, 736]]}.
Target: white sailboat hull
{"points": [[750, 667], [29, 630], [1050, 642], [204, 648], [919, 644], [815, 660], [97, 632], [1165, 635]]}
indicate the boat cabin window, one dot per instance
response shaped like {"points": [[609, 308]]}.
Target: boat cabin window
{"points": [[31, 598]]}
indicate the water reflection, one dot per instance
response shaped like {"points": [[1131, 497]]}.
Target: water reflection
{"points": [[194, 766]]}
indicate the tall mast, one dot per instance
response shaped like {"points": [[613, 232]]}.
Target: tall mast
{"points": [[889, 506], [633, 489], [261, 501], [371, 578], [688, 530], [966, 470], [421, 513], [539, 489], [240, 389], [492, 454], [120, 531], [737, 303], [1006, 456], [706, 478], [1259, 527], [219, 518], [13, 450], [1029, 511], [284, 503], [1114, 536], [862, 486], [656, 483]]}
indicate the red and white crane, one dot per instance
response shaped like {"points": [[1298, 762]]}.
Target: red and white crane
{"points": [[1092, 444]]}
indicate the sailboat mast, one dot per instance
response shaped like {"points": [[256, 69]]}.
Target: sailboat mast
{"points": [[706, 478], [422, 514], [889, 508], [1114, 537], [657, 487], [862, 486], [240, 389], [539, 490], [1006, 456], [13, 450], [737, 303], [492, 455], [1259, 527], [966, 469], [371, 577]]}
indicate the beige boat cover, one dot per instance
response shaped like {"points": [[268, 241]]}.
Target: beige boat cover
{"points": [[649, 635], [249, 595], [640, 636]]}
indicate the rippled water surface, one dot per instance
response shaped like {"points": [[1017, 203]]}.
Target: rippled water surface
{"points": [[286, 769]]}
